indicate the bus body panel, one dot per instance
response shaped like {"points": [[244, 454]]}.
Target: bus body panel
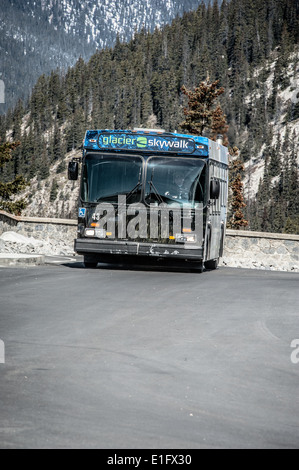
{"points": [[216, 222]]}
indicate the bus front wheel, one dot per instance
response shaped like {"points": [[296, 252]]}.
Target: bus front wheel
{"points": [[90, 263], [196, 267], [212, 264]]}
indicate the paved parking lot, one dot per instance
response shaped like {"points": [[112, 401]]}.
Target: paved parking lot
{"points": [[133, 357]]}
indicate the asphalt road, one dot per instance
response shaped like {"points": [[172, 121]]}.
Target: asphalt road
{"points": [[152, 358]]}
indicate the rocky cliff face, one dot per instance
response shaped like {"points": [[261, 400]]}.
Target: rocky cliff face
{"points": [[284, 123]]}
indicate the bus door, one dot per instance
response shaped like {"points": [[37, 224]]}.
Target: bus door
{"points": [[215, 225]]}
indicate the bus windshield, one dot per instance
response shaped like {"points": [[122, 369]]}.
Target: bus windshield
{"points": [[176, 180], [107, 176]]}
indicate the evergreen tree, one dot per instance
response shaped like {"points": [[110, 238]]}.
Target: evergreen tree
{"points": [[219, 125], [57, 144], [54, 190], [12, 188], [275, 160], [200, 112], [237, 218], [291, 225], [293, 185]]}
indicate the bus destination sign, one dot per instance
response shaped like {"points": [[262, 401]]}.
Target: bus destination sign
{"points": [[146, 143]]}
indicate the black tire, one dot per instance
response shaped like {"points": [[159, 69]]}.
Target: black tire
{"points": [[90, 263], [196, 267], [212, 264]]}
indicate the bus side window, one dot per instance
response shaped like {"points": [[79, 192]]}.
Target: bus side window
{"points": [[200, 188]]}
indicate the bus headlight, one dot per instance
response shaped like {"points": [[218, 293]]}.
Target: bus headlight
{"points": [[185, 238], [100, 233], [97, 233], [89, 232], [191, 238]]}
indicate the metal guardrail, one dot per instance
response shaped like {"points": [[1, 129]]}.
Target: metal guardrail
{"points": [[229, 232], [41, 220]]}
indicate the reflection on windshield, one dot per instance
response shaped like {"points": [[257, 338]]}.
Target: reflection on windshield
{"points": [[105, 177], [175, 180]]}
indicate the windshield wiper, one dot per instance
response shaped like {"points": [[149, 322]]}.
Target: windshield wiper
{"points": [[134, 190], [136, 187], [152, 186]]}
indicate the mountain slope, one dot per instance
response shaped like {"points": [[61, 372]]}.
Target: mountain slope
{"points": [[283, 127], [251, 47], [99, 21], [38, 36], [285, 120]]}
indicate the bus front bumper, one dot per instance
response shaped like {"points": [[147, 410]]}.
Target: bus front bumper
{"points": [[96, 247]]}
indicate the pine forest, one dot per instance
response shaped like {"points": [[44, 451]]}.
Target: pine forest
{"points": [[249, 46]]}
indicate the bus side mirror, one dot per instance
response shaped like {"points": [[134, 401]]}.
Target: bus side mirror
{"points": [[73, 171], [214, 189]]}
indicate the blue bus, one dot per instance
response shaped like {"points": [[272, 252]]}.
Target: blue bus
{"points": [[150, 193]]}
